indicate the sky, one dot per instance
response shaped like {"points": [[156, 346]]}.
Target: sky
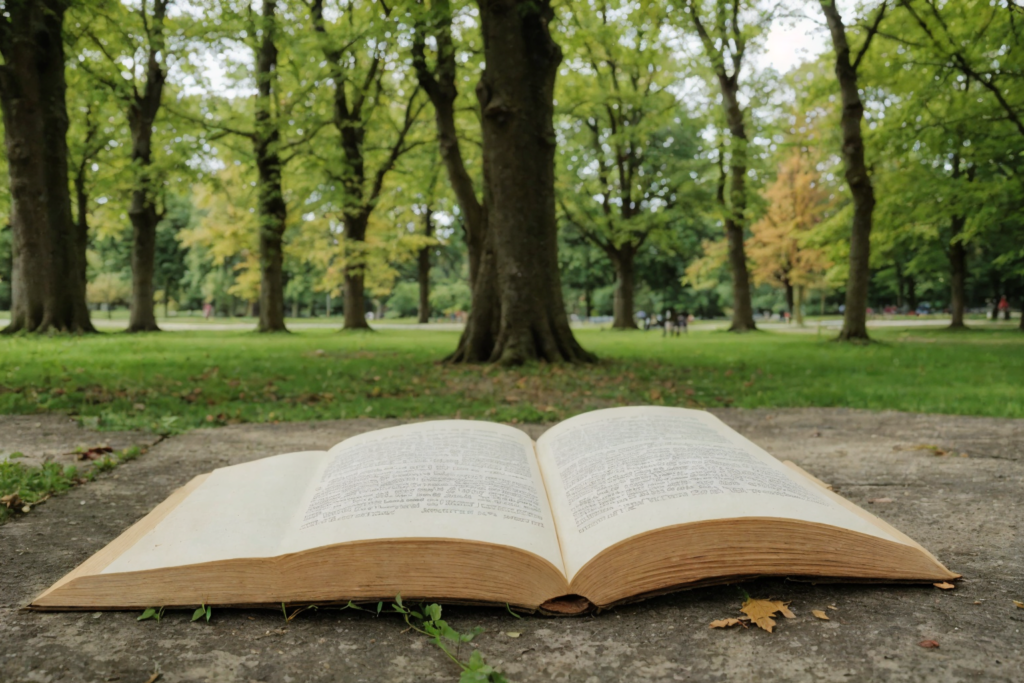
{"points": [[793, 41]]}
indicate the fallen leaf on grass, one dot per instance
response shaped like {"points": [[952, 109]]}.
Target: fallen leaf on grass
{"points": [[944, 586], [725, 623], [655, 395], [820, 614], [1019, 604], [762, 611], [928, 643]]}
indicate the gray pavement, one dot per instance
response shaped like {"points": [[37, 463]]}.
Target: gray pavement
{"points": [[967, 510]]}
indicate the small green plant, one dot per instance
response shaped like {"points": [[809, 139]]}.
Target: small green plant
{"points": [[427, 620], [154, 613], [203, 610], [104, 465], [129, 454]]}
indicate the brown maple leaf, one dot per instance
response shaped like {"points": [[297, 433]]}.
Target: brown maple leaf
{"points": [[762, 611], [820, 614], [929, 643]]}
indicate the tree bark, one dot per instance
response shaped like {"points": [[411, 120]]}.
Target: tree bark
{"points": [[798, 305], [742, 307], [911, 293], [270, 196], [516, 93], [623, 259], [355, 273], [142, 211], [48, 270], [857, 177], [957, 273], [423, 273], [789, 296]]}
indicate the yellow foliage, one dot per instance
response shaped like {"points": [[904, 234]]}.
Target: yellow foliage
{"points": [[778, 248]]}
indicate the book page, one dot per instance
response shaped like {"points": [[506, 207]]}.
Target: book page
{"points": [[449, 479], [616, 473], [456, 479], [239, 511]]}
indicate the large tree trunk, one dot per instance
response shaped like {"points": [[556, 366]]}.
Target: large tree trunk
{"points": [[355, 272], [423, 273], [516, 99], [622, 306], [743, 308], [142, 211], [957, 273], [855, 316], [272, 208], [911, 293], [48, 270]]}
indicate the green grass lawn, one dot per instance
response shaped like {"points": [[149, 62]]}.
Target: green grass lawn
{"points": [[172, 381]]}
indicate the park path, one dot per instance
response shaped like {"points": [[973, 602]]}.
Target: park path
{"points": [[966, 509]]}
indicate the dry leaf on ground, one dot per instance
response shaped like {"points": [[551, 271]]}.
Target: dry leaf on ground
{"points": [[820, 614], [724, 623], [1019, 604], [833, 607], [762, 611], [880, 500], [946, 586], [928, 643], [513, 634]]}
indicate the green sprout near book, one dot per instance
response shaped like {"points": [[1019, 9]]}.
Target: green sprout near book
{"points": [[425, 620]]}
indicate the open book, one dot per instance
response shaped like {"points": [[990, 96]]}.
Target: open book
{"points": [[608, 506]]}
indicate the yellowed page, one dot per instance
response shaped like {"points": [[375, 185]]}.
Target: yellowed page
{"points": [[455, 479], [615, 473], [450, 479], [240, 511]]}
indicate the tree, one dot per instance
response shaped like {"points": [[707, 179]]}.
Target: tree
{"points": [[625, 144], [273, 211], [137, 37], [778, 244], [516, 92], [725, 45], [366, 94], [857, 174], [439, 82], [48, 274]]}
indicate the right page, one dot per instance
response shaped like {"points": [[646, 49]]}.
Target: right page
{"points": [[613, 474]]}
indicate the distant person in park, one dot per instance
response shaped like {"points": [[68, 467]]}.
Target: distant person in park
{"points": [[207, 310], [683, 323], [666, 330], [786, 316], [644, 325], [1004, 307]]}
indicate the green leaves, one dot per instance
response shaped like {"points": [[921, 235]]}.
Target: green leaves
{"points": [[154, 613], [201, 611]]}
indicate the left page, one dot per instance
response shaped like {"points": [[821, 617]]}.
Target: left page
{"points": [[238, 511], [449, 479]]}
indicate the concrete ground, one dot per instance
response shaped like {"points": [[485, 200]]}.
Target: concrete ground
{"points": [[966, 510]]}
